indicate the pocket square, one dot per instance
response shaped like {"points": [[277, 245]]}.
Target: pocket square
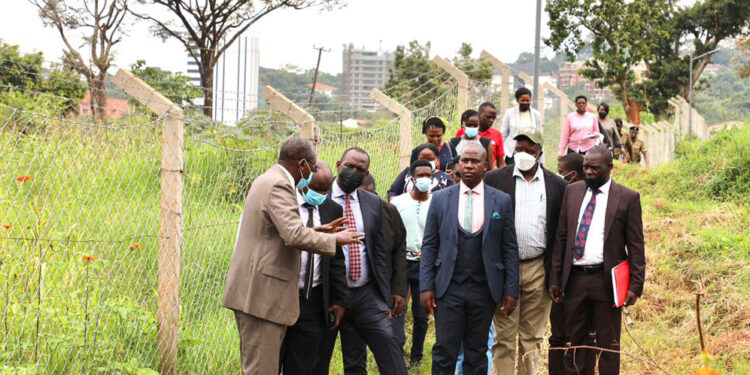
{"points": [[496, 216]]}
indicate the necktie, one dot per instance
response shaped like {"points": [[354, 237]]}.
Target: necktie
{"points": [[355, 262], [583, 226], [310, 265], [467, 212]]}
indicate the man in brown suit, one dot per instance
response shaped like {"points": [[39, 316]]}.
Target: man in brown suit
{"points": [[600, 227], [261, 284]]}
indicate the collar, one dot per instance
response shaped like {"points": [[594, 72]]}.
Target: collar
{"points": [[604, 188], [301, 201], [479, 189], [538, 175], [336, 192], [288, 175], [487, 132]]}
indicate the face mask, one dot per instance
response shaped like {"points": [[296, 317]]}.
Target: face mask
{"points": [[602, 115], [423, 184], [471, 132], [524, 107], [303, 182], [350, 179], [314, 198], [524, 161], [565, 176], [433, 164]]}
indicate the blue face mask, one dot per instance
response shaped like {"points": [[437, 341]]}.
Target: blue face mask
{"points": [[471, 132], [303, 182], [314, 198], [423, 184]]}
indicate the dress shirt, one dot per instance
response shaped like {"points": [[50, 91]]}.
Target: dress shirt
{"points": [[414, 215], [593, 251], [338, 197], [531, 214], [576, 130], [524, 120], [303, 212], [477, 206]]}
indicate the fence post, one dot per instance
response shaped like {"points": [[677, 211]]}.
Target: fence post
{"points": [[462, 79], [505, 71], [170, 215], [404, 117], [308, 125]]}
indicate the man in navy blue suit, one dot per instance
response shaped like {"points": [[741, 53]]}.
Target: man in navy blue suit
{"points": [[469, 265]]}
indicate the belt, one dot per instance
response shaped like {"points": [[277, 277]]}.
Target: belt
{"points": [[531, 259], [595, 268]]}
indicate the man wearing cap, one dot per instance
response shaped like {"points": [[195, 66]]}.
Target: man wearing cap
{"points": [[536, 194], [637, 148]]}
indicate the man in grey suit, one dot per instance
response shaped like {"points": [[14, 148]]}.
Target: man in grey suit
{"points": [[261, 284], [469, 264]]}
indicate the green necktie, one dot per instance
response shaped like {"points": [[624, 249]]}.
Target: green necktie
{"points": [[467, 212]]}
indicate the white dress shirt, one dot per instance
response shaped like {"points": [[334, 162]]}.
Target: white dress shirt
{"points": [[593, 251], [531, 214], [303, 213], [338, 197]]}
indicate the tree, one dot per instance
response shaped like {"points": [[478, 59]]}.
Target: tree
{"points": [[175, 86], [207, 28], [619, 32], [102, 21], [743, 43]]}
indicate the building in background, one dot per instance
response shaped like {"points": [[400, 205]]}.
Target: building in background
{"points": [[235, 80], [323, 89], [116, 109], [362, 71], [569, 77]]}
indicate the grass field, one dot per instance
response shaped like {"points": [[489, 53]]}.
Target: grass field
{"points": [[79, 240]]}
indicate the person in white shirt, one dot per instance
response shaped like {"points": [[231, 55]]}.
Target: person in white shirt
{"points": [[413, 208], [516, 118]]}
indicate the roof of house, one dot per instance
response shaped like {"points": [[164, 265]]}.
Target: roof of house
{"points": [[321, 86]]}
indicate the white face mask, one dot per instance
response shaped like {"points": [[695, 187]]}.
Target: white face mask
{"points": [[524, 161]]}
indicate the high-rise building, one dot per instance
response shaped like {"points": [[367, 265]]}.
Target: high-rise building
{"points": [[364, 70], [235, 90], [570, 76]]}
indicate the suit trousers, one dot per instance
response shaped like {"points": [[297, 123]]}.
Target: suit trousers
{"points": [[588, 303], [420, 320], [260, 344], [558, 340], [367, 320], [463, 316], [297, 356], [526, 326]]}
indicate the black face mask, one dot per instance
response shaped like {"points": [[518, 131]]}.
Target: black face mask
{"points": [[350, 179], [524, 107], [602, 115], [595, 183]]}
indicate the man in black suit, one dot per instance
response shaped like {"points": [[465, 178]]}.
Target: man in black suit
{"points": [[368, 272], [536, 194], [600, 227], [322, 281]]}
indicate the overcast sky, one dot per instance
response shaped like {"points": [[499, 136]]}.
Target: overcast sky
{"points": [[505, 28]]}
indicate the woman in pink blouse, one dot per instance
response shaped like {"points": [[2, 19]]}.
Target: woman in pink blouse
{"points": [[581, 130]]}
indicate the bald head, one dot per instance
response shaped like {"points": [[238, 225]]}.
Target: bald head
{"points": [[295, 149], [475, 147], [322, 179]]}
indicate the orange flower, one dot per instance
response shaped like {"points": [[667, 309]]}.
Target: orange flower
{"points": [[23, 178], [136, 246], [7, 226], [705, 371], [89, 257]]}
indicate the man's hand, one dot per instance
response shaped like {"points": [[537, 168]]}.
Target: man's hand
{"points": [[339, 312], [399, 305], [347, 236], [630, 299], [509, 304], [427, 299], [555, 293], [332, 227]]}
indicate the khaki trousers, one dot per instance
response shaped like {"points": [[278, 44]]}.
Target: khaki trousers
{"points": [[260, 344], [525, 326]]}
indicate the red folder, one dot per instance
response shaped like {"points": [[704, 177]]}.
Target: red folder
{"points": [[620, 282]]}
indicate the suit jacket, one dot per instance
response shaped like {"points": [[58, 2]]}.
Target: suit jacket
{"points": [[623, 235], [499, 246], [503, 180], [333, 269], [377, 259], [264, 270], [394, 235]]}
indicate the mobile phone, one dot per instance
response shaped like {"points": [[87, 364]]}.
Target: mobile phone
{"points": [[331, 319]]}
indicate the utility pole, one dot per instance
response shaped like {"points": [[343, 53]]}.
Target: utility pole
{"points": [[315, 77], [537, 36]]}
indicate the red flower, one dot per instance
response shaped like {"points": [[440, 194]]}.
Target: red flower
{"points": [[136, 246], [24, 178], [89, 257]]}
